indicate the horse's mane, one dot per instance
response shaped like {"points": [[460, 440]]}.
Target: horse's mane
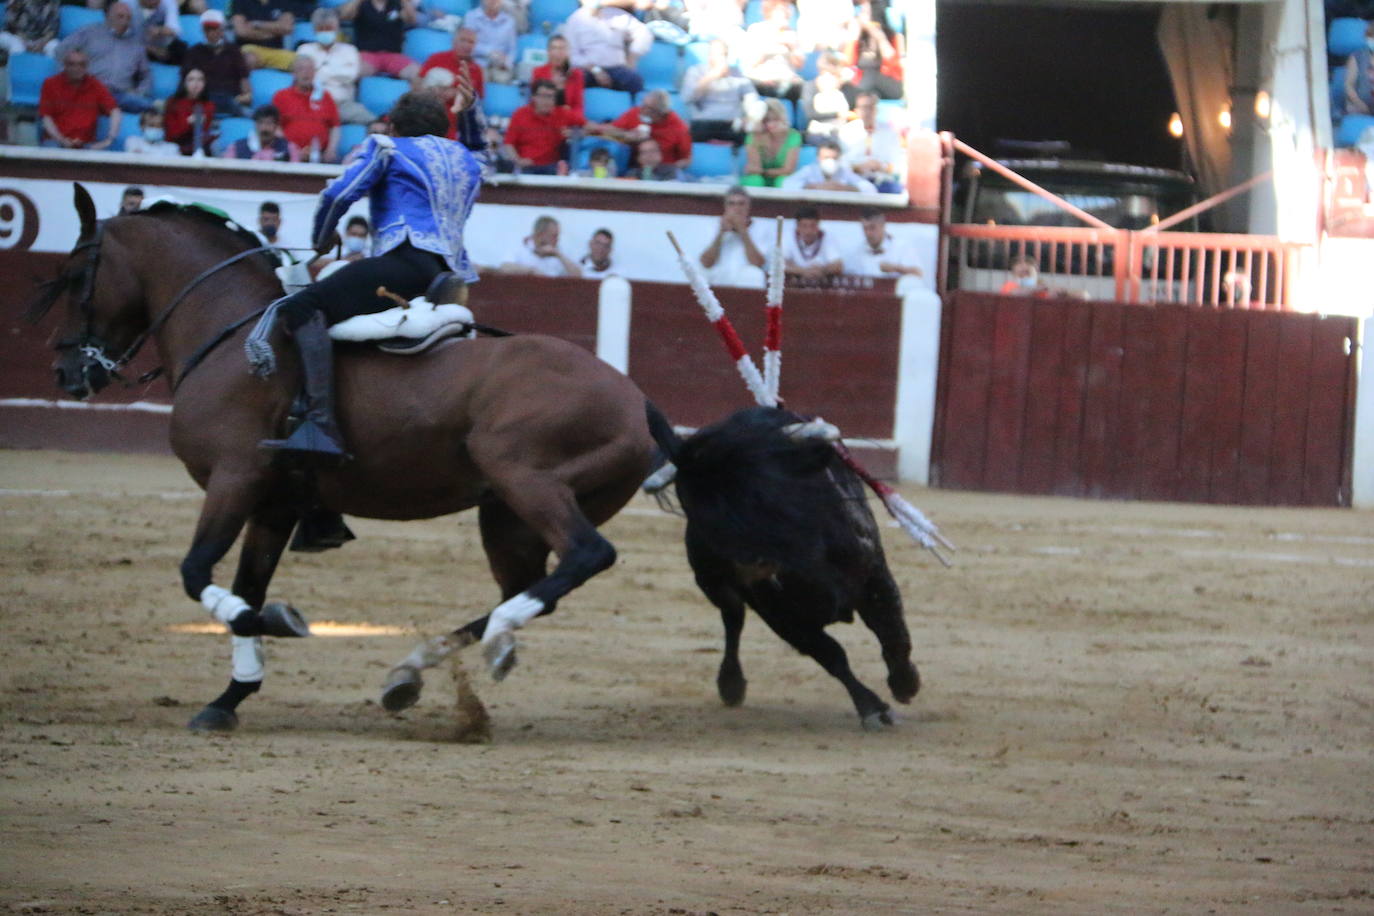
{"points": [[203, 214]]}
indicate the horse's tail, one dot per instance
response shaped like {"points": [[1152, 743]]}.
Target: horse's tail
{"points": [[667, 439]]}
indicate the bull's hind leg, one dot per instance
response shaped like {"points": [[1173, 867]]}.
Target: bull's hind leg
{"points": [[716, 582], [881, 610], [227, 504]]}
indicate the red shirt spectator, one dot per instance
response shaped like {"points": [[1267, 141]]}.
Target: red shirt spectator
{"points": [[459, 62], [570, 81], [673, 136], [73, 101], [308, 117], [536, 131]]}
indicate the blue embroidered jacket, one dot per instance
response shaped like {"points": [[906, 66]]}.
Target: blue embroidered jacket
{"points": [[420, 188]]}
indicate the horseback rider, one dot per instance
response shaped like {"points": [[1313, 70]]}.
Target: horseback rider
{"points": [[422, 187]]}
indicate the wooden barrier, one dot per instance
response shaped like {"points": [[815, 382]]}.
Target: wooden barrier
{"points": [[1130, 402]]}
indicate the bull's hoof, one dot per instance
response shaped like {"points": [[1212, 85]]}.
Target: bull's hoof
{"points": [[499, 651], [878, 721], [402, 689], [282, 620], [904, 683], [731, 691], [214, 719]]}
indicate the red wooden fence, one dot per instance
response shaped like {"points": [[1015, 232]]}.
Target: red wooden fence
{"points": [[1133, 402]]}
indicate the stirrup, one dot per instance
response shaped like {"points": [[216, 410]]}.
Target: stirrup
{"points": [[309, 443]]}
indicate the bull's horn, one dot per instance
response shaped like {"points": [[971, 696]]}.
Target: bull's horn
{"points": [[812, 429]]}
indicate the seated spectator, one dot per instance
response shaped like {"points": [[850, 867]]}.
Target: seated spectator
{"points": [[31, 27], [265, 143], [152, 138], [71, 103], [269, 220], [599, 165], [1025, 279], [878, 255], [606, 42], [823, 24], [494, 49], [539, 253], [261, 28], [458, 61], [828, 173], [309, 118], [354, 245], [723, 19], [337, 65], [596, 263], [735, 255], [465, 119], [649, 163], [825, 107], [654, 117], [157, 23], [1359, 77], [536, 140], [769, 54], [226, 72], [131, 201], [808, 253], [570, 81], [718, 96], [875, 53], [189, 115], [771, 151], [379, 28], [116, 55], [873, 149], [378, 126]]}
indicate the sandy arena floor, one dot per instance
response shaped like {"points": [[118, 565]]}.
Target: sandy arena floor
{"points": [[1127, 708]]}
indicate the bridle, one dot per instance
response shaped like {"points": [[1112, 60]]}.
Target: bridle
{"points": [[93, 348]]}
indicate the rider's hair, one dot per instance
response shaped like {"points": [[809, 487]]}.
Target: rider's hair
{"points": [[417, 114]]}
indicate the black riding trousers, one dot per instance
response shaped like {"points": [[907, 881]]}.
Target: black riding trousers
{"points": [[352, 290]]}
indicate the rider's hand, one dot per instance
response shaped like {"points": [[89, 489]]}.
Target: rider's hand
{"points": [[328, 245]]}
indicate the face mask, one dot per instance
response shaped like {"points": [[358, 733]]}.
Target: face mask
{"points": [[269, 233], [153, 134], [1029, 280], [829, 166], [326, 38], [354, 244]]}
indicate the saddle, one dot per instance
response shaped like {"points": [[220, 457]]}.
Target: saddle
{"points": [[415, 326]]}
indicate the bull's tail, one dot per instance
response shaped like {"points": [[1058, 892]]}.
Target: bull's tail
{"points": [[664, 435]]}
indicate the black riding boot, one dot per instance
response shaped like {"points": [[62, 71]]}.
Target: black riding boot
{"points": [[316, 441]]}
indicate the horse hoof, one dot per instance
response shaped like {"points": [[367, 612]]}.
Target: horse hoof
{"points": [[214, 719], [402, 689], [499, 652], [878, 721], [281, 619]]}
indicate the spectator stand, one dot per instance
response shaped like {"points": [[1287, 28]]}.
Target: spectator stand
{"points": [[26, 75], [1344, 36], [601, 105], [378, 93], [230, 130], [620, 153], [166, 79], [661, 67], [421, 42], [350, 137], [502, 99], [547, 15], [267, 83], [71, 18], [191, 32], [128, 127]]}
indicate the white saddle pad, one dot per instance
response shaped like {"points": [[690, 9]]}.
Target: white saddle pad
{"points": [[420, 319]]}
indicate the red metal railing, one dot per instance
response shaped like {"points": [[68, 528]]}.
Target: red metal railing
{"points": [[1099, 262]]}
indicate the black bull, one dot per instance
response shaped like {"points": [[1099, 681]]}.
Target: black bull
{"points": [[782, 525]]}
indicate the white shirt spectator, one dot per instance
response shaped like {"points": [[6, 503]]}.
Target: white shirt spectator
{"points": [[591, 272], [546, 265], [600, 38], [140, 146], [812, 174], [884, 144], [825, 250], [337, 68], [733, 267], [863, 260], [822, 23], [493, 34]]}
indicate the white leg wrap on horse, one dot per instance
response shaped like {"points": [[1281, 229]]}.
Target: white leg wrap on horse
{"points": [[512, 615], [432, 651], [222, 604], [247, 658]]}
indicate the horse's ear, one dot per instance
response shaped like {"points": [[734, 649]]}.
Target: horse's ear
{"points": [[85, 208]]}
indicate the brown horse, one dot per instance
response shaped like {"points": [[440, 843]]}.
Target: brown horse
{"points": [[542, 437]]}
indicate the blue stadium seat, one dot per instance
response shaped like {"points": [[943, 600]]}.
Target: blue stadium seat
{"points": [[166, 79], [805, 156], [501, 100], [892, 111], [620, 153], [659, 66], [696, 52], [128, 127], [27, 73], [267, 83], [552, 12], [191, 32], [222, 6], [1336, 87], [231, 129], [679, 105], [605, 104], [71, 18], [1343, 38], [753, 12], [451, 7], [301, 32], [350, 135], [811, 65], [378, 93], [419, 44], [713, 160], [1352, 125]]}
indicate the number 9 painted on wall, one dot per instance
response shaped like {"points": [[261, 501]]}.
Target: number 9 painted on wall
{"points": [[18, 220]]}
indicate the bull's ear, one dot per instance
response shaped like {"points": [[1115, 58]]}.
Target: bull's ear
{"points": [[85, 209]]}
